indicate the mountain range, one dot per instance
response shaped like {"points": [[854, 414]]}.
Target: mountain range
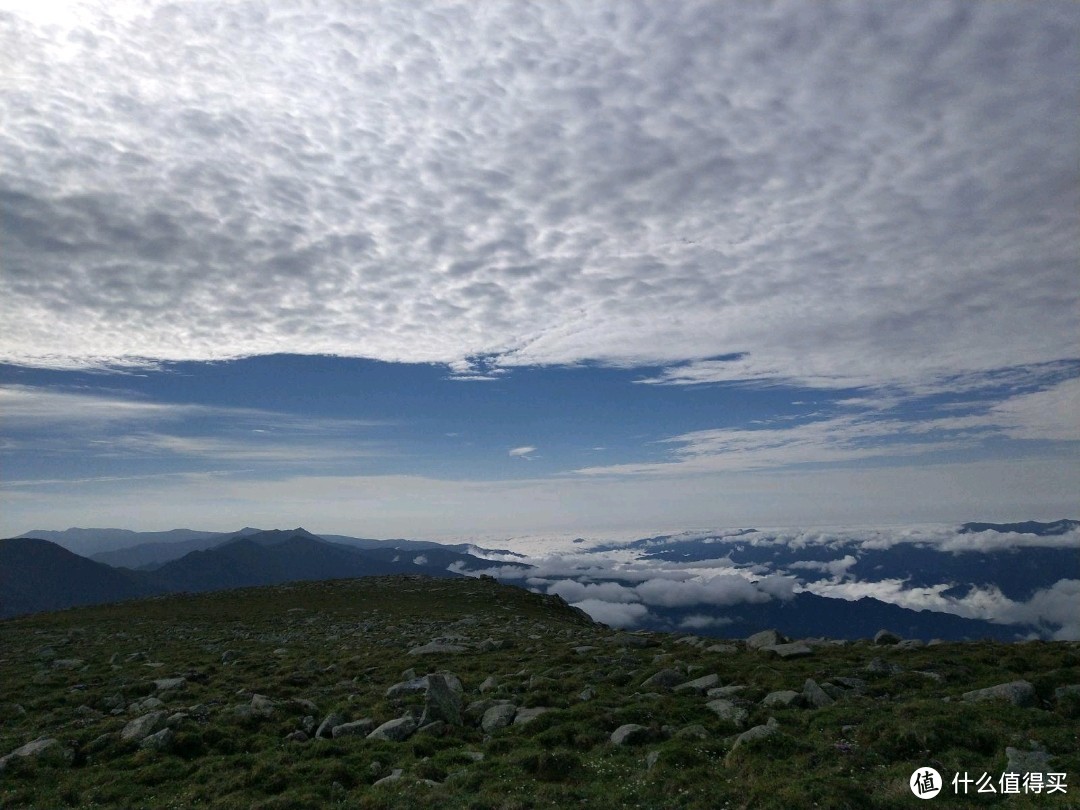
{"points": [[38, 574]]}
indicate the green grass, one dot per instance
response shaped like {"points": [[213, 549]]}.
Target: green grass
{"points": [[341, 644]]}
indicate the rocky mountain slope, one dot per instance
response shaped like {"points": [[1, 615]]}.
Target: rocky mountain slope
{"points": [[397, 691]]}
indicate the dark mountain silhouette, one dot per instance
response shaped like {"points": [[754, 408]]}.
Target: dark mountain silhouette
{"points": [[808, 615], [41, 575], [38, 575], [1026, 527], [95, 541]]}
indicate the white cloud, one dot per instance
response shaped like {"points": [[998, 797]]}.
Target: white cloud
{"points": [[700, 622], [613, 613], [844, 195], [522, 452], [573, 591], [720, 590]]}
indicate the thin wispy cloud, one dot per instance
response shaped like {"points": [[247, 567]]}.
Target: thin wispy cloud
{"points": [[525, 452]]}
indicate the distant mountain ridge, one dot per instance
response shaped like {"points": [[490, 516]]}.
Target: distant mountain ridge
{"points": [[39, 575], [1053, 529]]}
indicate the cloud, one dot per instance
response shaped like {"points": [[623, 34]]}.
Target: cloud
{"points": [[522, 452], [837, 195], [719, 591], [613, 613], [573, 591], [700, 622]]}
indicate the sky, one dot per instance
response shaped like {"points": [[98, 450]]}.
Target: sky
{"points": [[439, 269]]}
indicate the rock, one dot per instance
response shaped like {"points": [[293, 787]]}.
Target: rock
{"points": [[693, 732], [1018, 693], [1060, 693], [408, 686], [441, 702], [879, 666], [498, 717], [858, 684], [489, 645], [757, 733], [438, 648], [723, 649], [766, 638], [326, 727], [584, 649], [158, 741], [170, 684], [36, 748], [434, 728], [524, 716], [664, 679], [301, 704], [814, 695], [884, 637], [699, 685], [176, 719], [386, 780], [728, 711], [630, 734], [725, 691], [229, 656], [793, 650], [357, 728], [142, 727], [489, 683], [783, 697], [1021, 762], [588, 693], [632, 640], [910, 644], [396, 730], [261, 706], [297, 736], [67, 663]]}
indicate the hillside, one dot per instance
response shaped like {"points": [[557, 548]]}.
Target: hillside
{"points": [[399, 691]]}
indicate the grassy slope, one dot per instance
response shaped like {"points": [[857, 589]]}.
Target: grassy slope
{"points": [[341, 644]]}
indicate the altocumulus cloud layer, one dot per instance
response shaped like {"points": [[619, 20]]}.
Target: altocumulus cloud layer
{"points": [[889, 188]]}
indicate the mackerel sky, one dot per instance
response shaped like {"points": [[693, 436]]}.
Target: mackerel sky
{"points": [[432, 269]]}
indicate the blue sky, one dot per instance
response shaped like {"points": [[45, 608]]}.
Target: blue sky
{"points": [[440, 269]]}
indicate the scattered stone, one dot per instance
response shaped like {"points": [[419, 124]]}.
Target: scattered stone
{"points": [[498, 716], [699, 685], [229, 656], [766, 638], [588, 693], [584, 650], [723, 649], [386, 780], [437, 648], [326, 727], [1020, 761], [297, 736], [1060, 693], [814, 695], [726, 691], [884, 637], [524, 716], [793, 650], [357, 728], [158, 741], [176, 719], [35, 749], [728, 711], [757, 733], [261, 706], [170, 684], [783, 697], [910, 644], [434, 728], [630, 734], [396, 730], [1018, 693], [442, 701], [489, 645], [475, 756], [67, 663], [857, 684], [651, 759], [879, 666], [664, 679], [408, 686], [489, 683], [142, 727]]}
